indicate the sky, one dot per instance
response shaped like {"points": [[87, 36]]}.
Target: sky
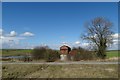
{"points": [[30, 24]]}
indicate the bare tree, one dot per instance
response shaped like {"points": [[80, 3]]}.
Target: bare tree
{"points": [[100, 34]]}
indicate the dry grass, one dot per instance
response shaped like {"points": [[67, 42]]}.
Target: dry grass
{"points": [[60, 71]]}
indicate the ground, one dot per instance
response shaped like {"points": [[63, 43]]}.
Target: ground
{"points": [[60, 71]]}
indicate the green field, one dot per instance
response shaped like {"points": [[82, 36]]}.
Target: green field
{"points": [[18, 52], [15, 52], [113, 54]]}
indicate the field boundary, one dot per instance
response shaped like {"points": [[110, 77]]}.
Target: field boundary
{"points": [[60, 63]]}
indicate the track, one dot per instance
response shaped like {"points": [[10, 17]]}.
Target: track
{"points": [[61, 63]]}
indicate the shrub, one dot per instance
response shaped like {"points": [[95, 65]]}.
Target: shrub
{"points": [[87, 55], [39, 53], [44, 53], [52, 56], [77, 56], [83, 54]]}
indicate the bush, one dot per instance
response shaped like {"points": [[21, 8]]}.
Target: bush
{"points": [[77, 56], [87, 55], [83, 54], [44, 53], [52, 56], [39, 53]]}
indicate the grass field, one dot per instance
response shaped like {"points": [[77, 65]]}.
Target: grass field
{"points": [[59, 71], [18, 52], [113, 54], [15, 52]]}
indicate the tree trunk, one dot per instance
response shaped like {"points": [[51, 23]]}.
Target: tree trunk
{"points": [[101, 52]]}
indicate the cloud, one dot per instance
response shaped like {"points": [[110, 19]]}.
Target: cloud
{"points": [[114, 46], [12, 41], [116, 35], [6, 40], [85, 44], [88, 45], [9, 42], [77, 42], [27, 34], [12, 34], [1, 32], [116, 41], [2, 37]]}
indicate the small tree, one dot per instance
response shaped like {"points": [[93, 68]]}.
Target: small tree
{"points": [[100, 34], [45, 53], [83, 54], [39, 52], [52, 55]]}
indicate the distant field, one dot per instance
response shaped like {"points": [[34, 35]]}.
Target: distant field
{"points": [[18, 52], [60, 71], [113, 54], [15, 52]]}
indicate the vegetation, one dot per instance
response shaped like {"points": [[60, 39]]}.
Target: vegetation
{"points": [[83, 54], [44, 53], [54, 71], [113, 53], [49, 55], [52, 55], [99, 33], [39, 53], [15, 52]]}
